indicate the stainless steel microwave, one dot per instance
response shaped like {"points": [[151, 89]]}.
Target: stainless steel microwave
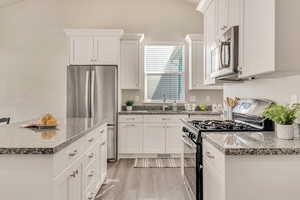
{"points": [[227, 55]]}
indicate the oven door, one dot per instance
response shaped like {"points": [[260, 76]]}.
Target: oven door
{"points": [[190, 163]]}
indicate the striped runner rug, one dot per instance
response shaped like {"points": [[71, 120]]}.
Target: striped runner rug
{"points": [[161, 163]]}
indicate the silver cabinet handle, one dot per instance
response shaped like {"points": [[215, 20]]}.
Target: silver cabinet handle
{"points": [[165, 119], [91, 174], [91, 196], [102, 131], [91, 139], [73, 153], [91, 155], [209, 155], [74, 173]]}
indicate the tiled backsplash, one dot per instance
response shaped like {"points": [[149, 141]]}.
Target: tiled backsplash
{"points": [[159, 107], [197, 97]]}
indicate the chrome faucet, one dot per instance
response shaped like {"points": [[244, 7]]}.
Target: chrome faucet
{"points": [[164, 106]]}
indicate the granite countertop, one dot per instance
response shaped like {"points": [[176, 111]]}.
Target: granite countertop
{"points": [[252, 143], [158, 112], [17, 140]]}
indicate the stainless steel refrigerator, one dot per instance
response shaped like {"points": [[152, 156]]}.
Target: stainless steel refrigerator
{"points": [[92, 92]]}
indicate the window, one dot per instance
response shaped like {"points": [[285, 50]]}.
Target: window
{"points": [[164, 72]]}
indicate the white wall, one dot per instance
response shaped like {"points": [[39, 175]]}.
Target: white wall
{"points": [[279, 90], [33, 49]]}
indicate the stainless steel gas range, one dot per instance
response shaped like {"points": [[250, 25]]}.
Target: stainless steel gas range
{"points": [[247, 117]]}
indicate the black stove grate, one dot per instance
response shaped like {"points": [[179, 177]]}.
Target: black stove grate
{"points": [[217, 125]]}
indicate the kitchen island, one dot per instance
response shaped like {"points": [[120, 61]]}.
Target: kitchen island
{"points": [[67, 163], [250, 165]]}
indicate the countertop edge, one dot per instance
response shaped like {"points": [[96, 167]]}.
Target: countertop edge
{"points": [[252, 151], [47, 150], [167, 113]]}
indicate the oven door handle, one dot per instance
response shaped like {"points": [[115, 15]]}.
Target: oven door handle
{"points": [[183, 138]]}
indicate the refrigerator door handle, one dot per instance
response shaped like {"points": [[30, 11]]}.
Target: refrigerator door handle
{"points": [[93, 94], [87, 77]]}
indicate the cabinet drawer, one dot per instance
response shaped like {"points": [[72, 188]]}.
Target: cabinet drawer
{"points": [[90, 194], [67, 156], [90, 156], [91, 174], [213, 157], [131, 118], [94, 136], [163, 118]]}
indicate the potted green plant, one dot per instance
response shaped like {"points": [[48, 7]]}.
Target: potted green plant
{"points": [[284, 118], [129, 104]]}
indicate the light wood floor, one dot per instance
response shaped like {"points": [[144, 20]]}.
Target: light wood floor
{"points": [[130, 183]]}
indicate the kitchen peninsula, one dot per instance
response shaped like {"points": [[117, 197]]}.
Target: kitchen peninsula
{"points": [[259, 164], [65, 163]]}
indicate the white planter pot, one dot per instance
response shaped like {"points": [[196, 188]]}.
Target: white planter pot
{"points": [[129, 108], [285, 132]]}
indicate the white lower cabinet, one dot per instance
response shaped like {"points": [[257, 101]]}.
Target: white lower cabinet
{"points": [[130, 138], [103, 161], [154, 138], [214, 183], [173, 138], [149, 134], [84, 177], [69, 185], [152, 134]]}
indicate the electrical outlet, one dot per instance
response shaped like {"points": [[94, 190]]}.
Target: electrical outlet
{"points": [[294, 99]]}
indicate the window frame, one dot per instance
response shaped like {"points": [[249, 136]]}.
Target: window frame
{"points": [[183, 73]]}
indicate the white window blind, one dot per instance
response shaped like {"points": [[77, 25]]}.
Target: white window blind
{"points": [[164, 72]]}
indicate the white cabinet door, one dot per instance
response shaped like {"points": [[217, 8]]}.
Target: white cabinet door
{"points": [[234, 13], [213, 183], [196, 65], [130, 138], [154, 138], [210, 42], [81, 50], [258, 44], [173, 138], [221, 16], [103, 161], [69, 185], [130, 68], [107, 50]]}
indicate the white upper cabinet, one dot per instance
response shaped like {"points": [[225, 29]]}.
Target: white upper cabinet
{"points": [[227, 15], [107, 50], [270, 38], [196, 51], [221, 16], [268, 34], [81, 50], [210, 45], [131, 61], [233, 13], [94, 47]]}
